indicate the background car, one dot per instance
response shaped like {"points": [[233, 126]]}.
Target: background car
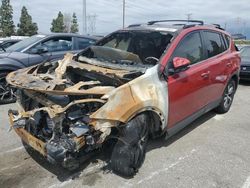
{"points": [[7, 43], [35, 50], [245, 63]]}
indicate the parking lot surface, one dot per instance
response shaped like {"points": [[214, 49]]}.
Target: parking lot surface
{"points": [[213, 151]]}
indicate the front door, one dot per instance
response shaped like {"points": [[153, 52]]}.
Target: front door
{"points": [[188, 89]]}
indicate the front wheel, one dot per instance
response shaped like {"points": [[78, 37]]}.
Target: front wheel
{"points": [[7, 93], [227, 98], [129, 152]]}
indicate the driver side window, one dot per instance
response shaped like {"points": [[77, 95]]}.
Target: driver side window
{"points": [[190, 48]]}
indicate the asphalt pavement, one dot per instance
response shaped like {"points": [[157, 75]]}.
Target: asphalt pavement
{"points": [[213, 151]]}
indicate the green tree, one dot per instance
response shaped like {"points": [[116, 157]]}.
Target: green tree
{"points": [[6, 19], [26, 26], [74, 25], [58, 24]]}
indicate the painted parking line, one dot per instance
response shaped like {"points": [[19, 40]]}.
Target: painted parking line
{"points": [[12, 150], [158, 172], [163, 170], [247, 183], [10, 168], [219, 117]]}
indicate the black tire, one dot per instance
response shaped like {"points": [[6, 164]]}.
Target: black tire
{"points": [[227, 98], [129, 152], [7, 93]]}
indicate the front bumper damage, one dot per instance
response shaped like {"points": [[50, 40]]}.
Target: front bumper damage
{"points": [[35, 143], [69, 150]]}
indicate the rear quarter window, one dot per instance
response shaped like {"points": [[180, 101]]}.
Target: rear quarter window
{"points": [[214, 43], [227, 41]]}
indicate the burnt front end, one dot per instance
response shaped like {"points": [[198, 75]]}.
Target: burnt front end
{"points": [[58, 102], [65, 137]]}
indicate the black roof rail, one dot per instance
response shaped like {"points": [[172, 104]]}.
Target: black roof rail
{"points": [[134, 25], [188, 26], [218, 26], [187, 21]]}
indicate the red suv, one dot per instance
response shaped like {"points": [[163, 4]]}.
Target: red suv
{"points": [[143, 81]]}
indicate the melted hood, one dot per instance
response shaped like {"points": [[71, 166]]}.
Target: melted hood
{"points": [[69, 77]]}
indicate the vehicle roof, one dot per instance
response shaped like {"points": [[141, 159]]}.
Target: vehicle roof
{"points": [[174, 29], [10, 40], [69, 35], [155, 27]]}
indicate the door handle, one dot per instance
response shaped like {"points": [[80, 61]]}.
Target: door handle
{"points": [[205, 74]]}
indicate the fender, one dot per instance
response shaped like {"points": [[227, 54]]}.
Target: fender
{"points": [[10, 64], [145, 93]]}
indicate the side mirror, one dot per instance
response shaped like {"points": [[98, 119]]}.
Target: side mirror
{"points": [[180, 63]]}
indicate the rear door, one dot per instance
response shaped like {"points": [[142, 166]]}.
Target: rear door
{"points": [[219, 59], [188, 89]]}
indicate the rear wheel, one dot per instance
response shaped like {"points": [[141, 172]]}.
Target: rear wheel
{"points": [[227, 98], [7, 93], [129, 152]]}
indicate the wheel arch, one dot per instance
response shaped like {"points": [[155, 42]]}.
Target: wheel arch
{"points": [[156, 120]]}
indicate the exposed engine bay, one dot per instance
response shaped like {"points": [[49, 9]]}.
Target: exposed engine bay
{"points": [[68, 106]]}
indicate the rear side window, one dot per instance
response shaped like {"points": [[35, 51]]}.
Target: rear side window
{"points": [[214, 43], [191, 48]]}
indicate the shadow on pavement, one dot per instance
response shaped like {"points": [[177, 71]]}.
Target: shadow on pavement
{"points": [[161, 142]]}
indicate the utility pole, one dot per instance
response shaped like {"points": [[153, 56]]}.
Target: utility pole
{"points": [[189, 16], [238, 22], [124, 3], [244, 28], [84, 17], [225, 25]]}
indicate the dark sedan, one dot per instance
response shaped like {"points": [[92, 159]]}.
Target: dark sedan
{"points": [[35, 50], [245, 63]]}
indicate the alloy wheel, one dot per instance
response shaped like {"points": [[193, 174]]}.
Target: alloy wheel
{"points": [[228, 97]]}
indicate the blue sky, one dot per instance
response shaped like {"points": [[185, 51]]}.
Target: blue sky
{"points": [[232, 13]]}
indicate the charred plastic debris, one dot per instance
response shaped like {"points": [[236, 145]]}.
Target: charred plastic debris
{"points": [[67, 107]]}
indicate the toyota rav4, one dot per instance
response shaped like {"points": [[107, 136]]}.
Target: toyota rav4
{"points": [[137, 83]]}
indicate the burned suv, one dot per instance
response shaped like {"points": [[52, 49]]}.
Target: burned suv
{"points": [[141, 82]]}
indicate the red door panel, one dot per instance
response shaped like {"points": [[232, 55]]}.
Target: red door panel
{"points": [[188, 92]]}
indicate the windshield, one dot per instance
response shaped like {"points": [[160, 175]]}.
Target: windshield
{"points": [[18, 47], [142, 43], [129, 48], [245, 52]]}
